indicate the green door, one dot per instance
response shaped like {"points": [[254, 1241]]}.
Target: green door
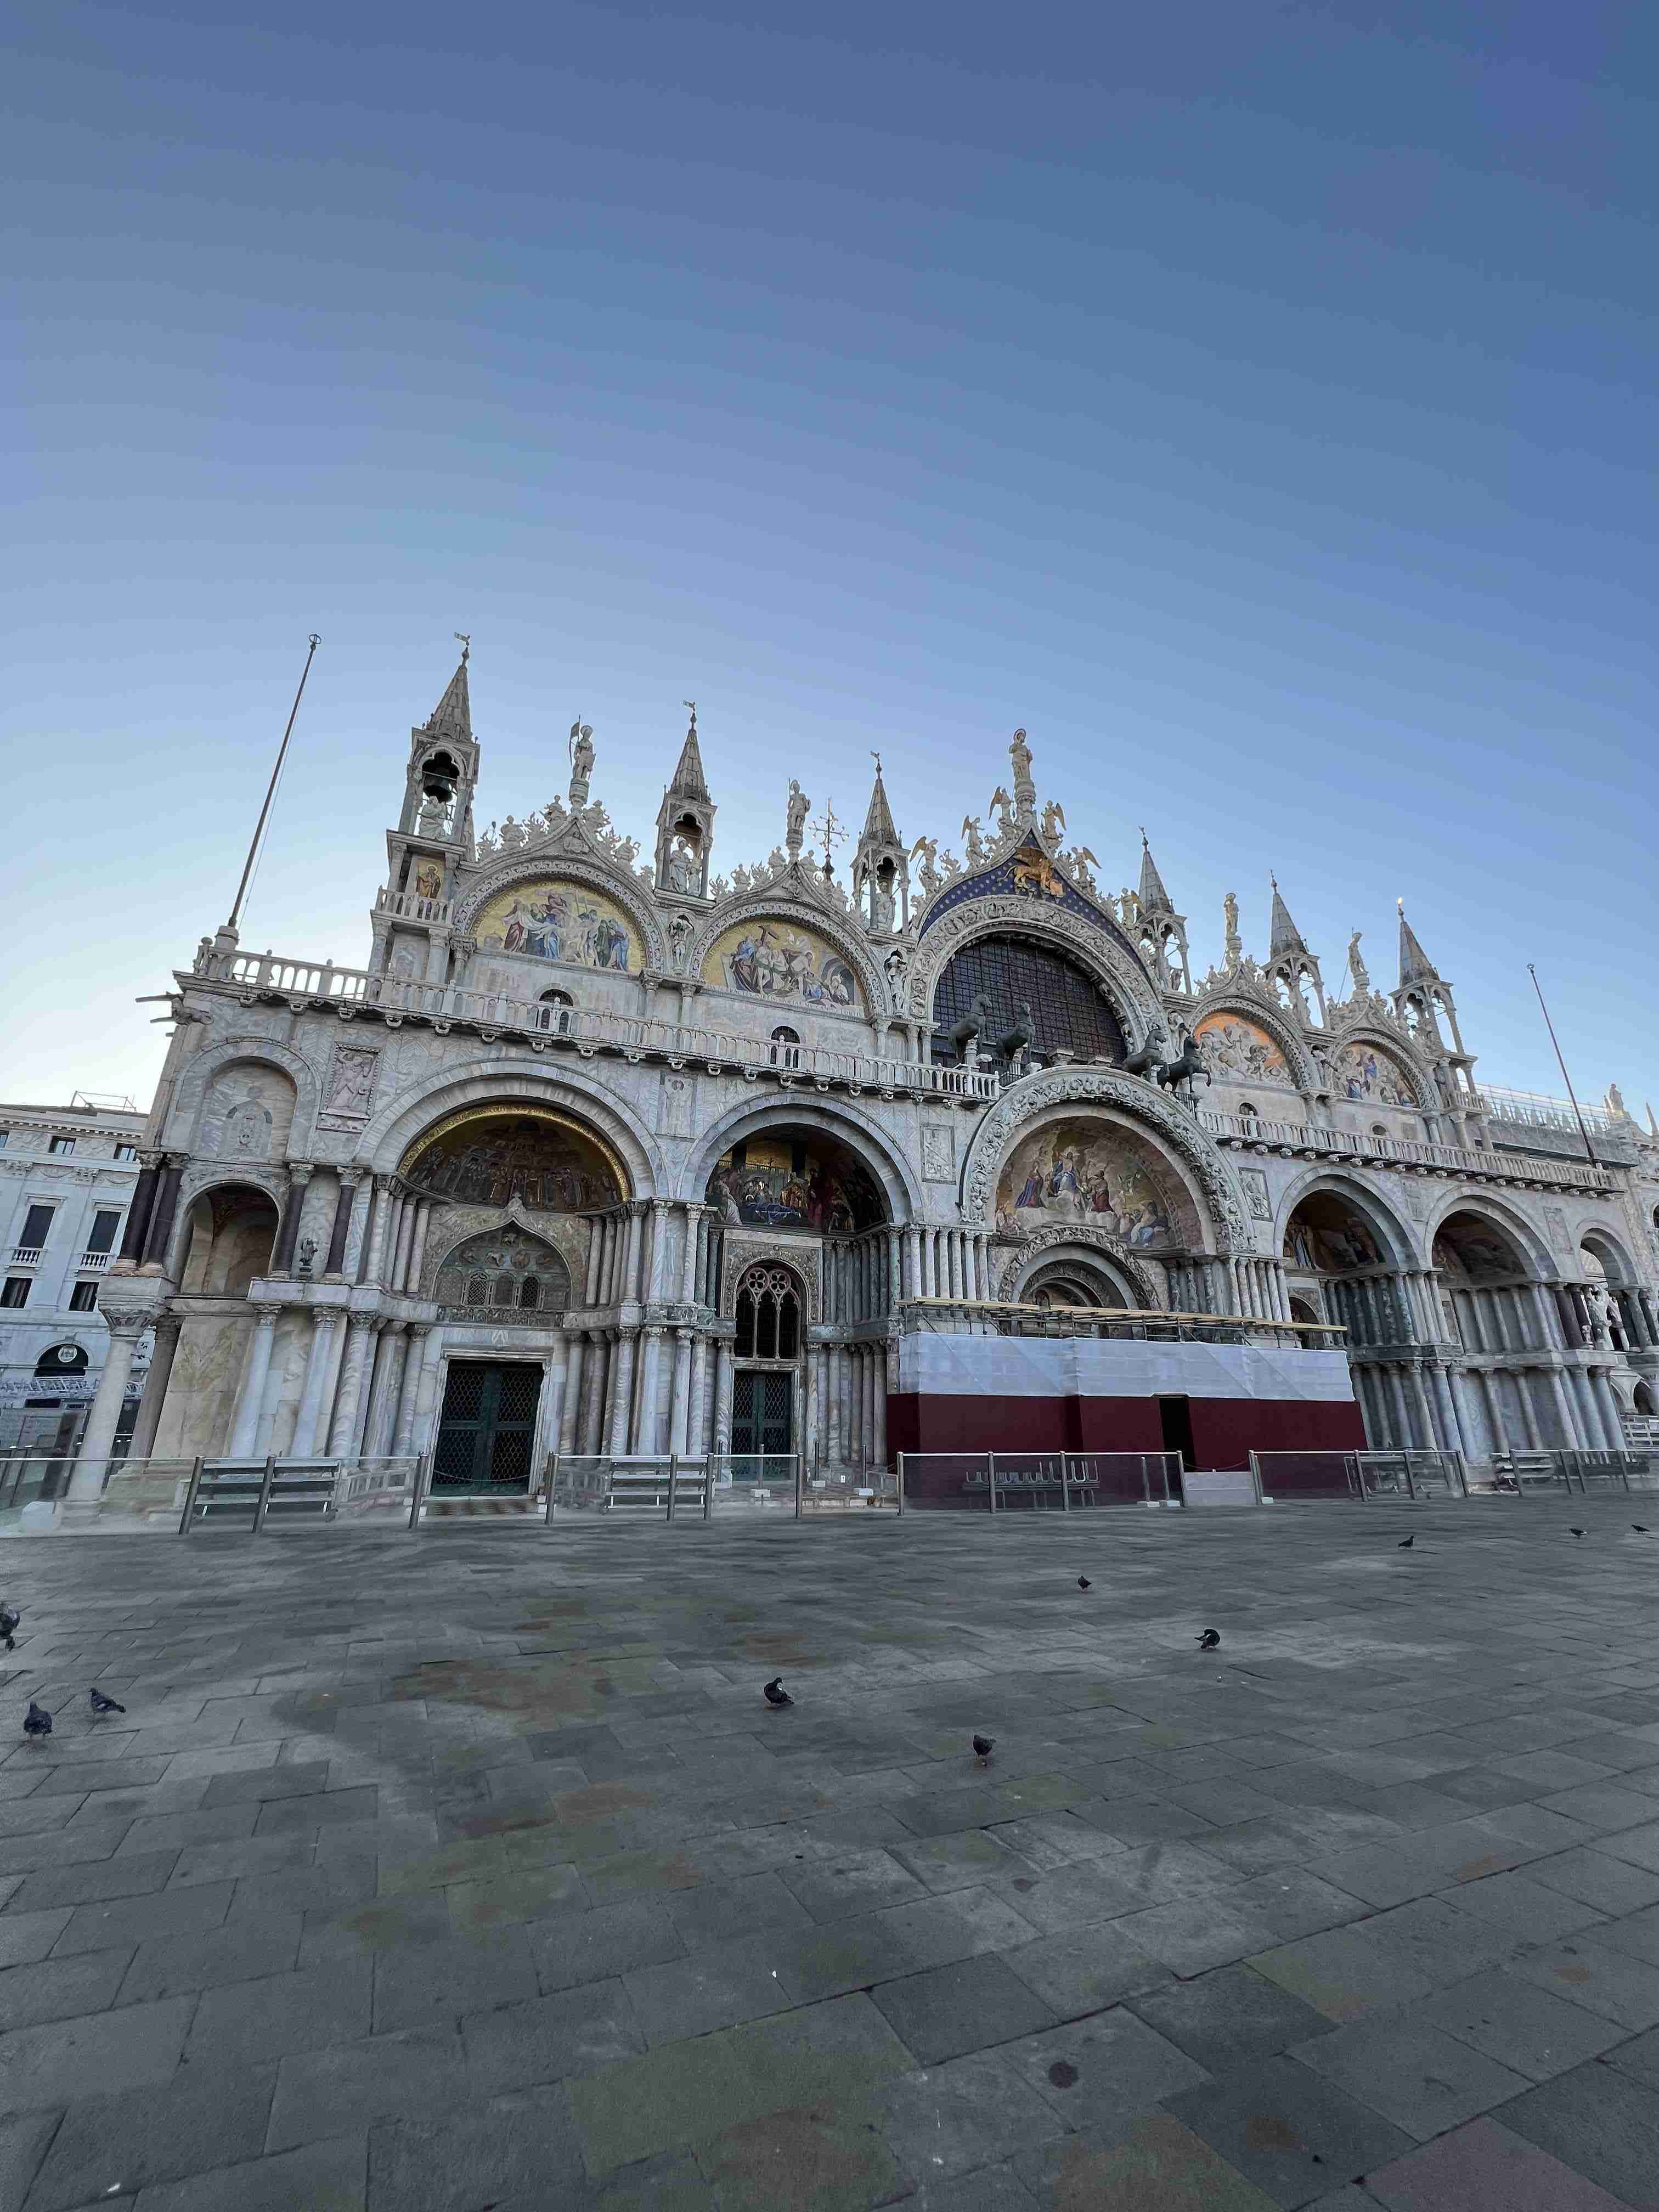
{"points": [[762, 1423], [488, 1431]]}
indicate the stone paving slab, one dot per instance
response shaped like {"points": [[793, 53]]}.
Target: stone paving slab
{"points": [[470, 1869]]}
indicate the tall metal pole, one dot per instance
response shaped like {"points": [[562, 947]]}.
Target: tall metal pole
{"points": [[282, 755], [1589, 1150]]}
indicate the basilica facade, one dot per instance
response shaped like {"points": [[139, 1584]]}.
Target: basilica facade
{"points": [[605, 1154]]}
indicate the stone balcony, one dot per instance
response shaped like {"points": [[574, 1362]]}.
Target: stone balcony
{"points": [[586, 1030], [1311, 1141]]}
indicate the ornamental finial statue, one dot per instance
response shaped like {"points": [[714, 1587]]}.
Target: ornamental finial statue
{"points": [[799, 806], [1235, 943], [1019, 754], [1357, 968], [581, 760]]}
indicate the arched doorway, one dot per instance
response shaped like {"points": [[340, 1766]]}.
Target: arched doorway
{"points": [[1073, 1280], [508, 1210], [802, 1238], [203, 1342], [768, 1344], [1510, 1327], [1341, 1264]]}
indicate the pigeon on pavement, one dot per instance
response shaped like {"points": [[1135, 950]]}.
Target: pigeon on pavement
{"points": [[1640, 1530], [1406, 1543], [1579, 1532], [10, 1617], [1084, 1583], [775, 1692], [1208, 1641], [37, 1721], [984, 1745], [101, 1704]]}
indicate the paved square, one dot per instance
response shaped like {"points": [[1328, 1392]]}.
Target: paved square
{"points": [[470, 1869]]}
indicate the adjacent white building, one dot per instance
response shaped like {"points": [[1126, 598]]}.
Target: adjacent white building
{"points": [[67, 1175]]}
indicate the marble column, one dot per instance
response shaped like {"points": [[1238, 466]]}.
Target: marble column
{"points": [[402, 1435], [1424, 1412], [417, 1247], [287, 1233], [86, 1481], [310, 1395], [372, 1257], [405, 1238], [723, 1396], [334, 1262], [656, 1281], [622, 1389], [244, 1424], [366, 1395], [590, 1433], [688, 1257], [895, 1283], [877, 1407], [679, 1407], [343, 1426], [1462, 1416], [1492, 1403], [388, 1382], [1607, 1399], [648, 1429], [628, 1291], [155, 1387], [1529, 1416], [1586, 1429], [697, 1426], [570, 1403]]}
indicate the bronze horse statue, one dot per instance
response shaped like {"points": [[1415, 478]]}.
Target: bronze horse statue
{"points": [[966, 1032], [1149, 1058], [1174, 1072]]}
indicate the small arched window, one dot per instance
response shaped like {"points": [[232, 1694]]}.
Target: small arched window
{"points": [[530, 1293], [478, 1291], [1247, 1112], [786, 1046], [503, 1291], [1379, 1129], [555, 1009]]}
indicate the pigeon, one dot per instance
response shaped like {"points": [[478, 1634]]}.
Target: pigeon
{"points": [[1406, 1543], [775, 1692], [1210, 1639], [10, 1617], [101, 1704], [1579, 1532], [984, 1745], [1084, 1583], [36, 1720], [1640, 1530]]}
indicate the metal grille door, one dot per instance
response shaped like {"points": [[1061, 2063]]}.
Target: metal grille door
{"points": [[489, 1426]]}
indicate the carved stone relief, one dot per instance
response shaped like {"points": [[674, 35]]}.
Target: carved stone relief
{"points": [[938, 1152], [1255, 1193], [347, 1097], [740, 1252]]}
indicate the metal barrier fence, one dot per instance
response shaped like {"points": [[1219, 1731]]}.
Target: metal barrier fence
{"points": [[1513, 1474], [184, 1494], [717, 1483], [1064, 1482], [1289, 1475]]}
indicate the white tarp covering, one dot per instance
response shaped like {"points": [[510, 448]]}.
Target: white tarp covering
{"points": [[1078, 1367]]}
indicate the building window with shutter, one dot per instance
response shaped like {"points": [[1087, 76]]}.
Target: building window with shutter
{"points": [[83, 1298]]}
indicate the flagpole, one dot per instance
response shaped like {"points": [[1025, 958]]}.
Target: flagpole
{"points": [[271, 793], [1589, 1150]]}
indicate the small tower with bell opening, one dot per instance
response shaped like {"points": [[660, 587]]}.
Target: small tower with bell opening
{"points": [[1163, 930], [686, 824], [881, 868], [1291, 971], [434, 834], [1423, 1004]]}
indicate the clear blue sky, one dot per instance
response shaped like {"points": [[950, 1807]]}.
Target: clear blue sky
{"points": [[1254, 401]]}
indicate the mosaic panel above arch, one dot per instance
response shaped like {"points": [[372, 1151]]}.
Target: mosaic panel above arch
{"points": [[494, 1155], [1088, 1171], [1235, 1047], [549, 918], [1365, 1071], [795, 1179], [784, 963]]}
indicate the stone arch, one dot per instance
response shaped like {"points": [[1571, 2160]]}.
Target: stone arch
{"points": [[228, 1234], [186, 1115], [1615, 1261], [1266, 1015], [487, 1082], [583, 866], [1212, 1183], [1116, 969], [1090, 1249], [1538, 1265], [844, 1122], [772, 904], [1394, 1236]]}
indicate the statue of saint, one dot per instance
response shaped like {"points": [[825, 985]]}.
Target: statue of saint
{"points": [[799, 805], [581, 761], [1235, 942], [1357, 969]]}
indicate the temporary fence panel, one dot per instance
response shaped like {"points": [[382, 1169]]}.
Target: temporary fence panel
{"points": [[756, 1482], [1414, 1474], [932, 1482], [848, 1490], [1122, 1478], [1290, 1475], [639, 1486]]}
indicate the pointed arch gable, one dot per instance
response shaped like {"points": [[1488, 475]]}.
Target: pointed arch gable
{"points": [[771, 905], [1268, 1016], [1369, 1035], [582, 864]]}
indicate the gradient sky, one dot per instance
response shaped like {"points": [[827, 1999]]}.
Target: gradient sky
{"points": [[1254, 401]]}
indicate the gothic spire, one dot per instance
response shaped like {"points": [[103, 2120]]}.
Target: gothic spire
{"points": [[1284, 936], [878, 831], [1414, 962], [1152, 897], [452, 715], [689, 780]]}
